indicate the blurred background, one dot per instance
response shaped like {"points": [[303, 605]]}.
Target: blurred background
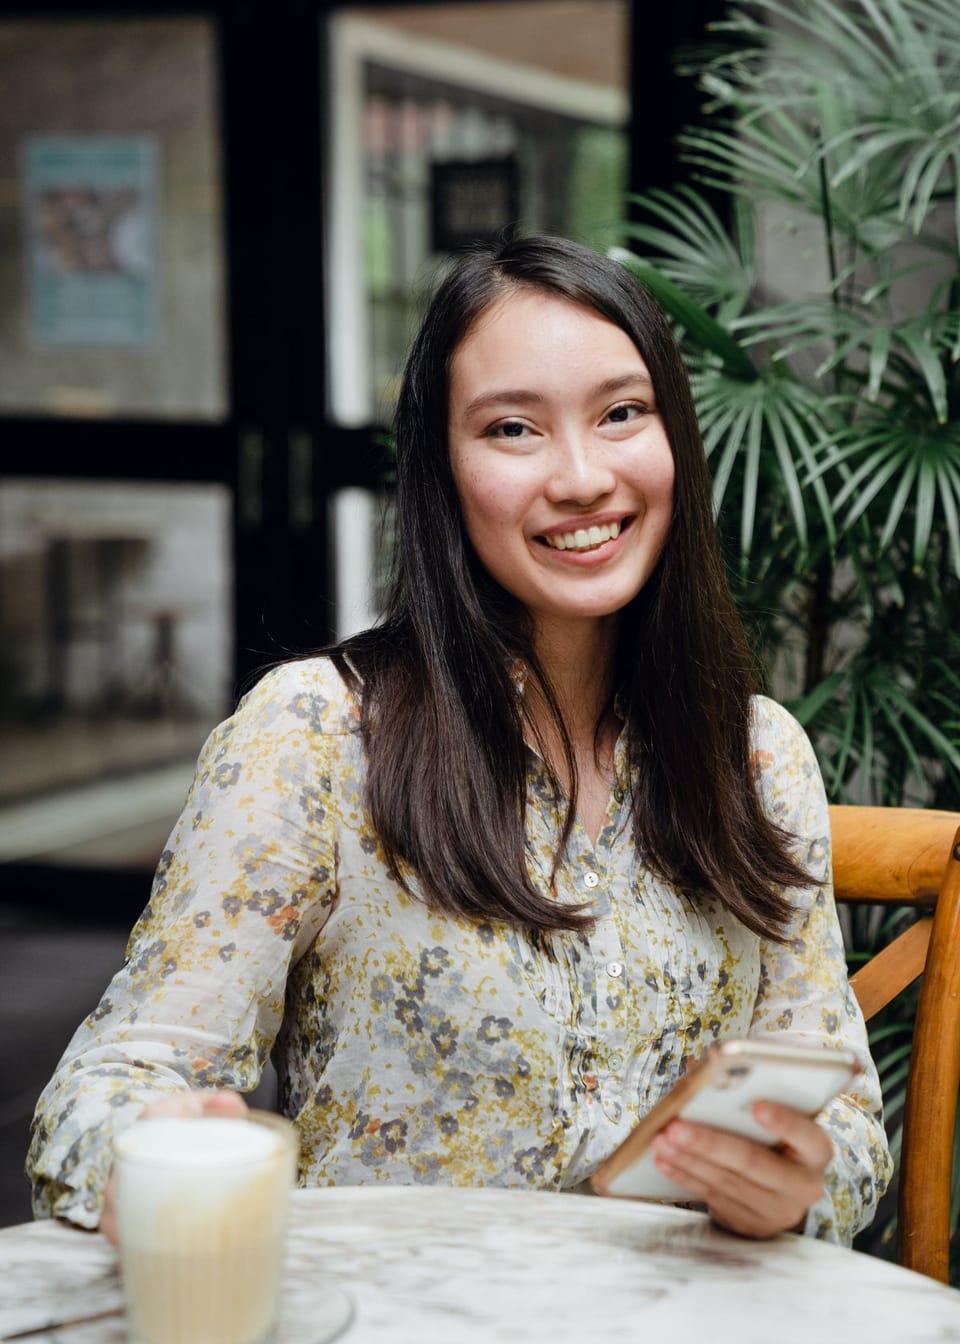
{"points": [[216, 229]]}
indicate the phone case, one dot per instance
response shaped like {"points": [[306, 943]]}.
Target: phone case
{"points": [[719, 1090]]}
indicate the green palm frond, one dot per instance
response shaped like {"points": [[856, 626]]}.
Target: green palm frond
{"points": [[695, 250], [769, 420], [691, 316], [930, 163], [898, 471], [915, 353], [775, 160], [869, 732], [803, 44], [869, 44], [828, 85]]}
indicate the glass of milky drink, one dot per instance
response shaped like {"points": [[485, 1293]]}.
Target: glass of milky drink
{"points": [[201, 1216]]}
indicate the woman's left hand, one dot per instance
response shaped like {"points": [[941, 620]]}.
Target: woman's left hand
{"points": [[747, 1187]]}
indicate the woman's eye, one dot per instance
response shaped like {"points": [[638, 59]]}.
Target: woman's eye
{"points": [[507, 429], [630, 410]]}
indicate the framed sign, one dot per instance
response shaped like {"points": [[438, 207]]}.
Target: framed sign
{"points": [[472, 201], [90, 235]]}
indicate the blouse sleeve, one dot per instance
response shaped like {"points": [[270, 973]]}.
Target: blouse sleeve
{"points": [[804, 992], [241, 891]]}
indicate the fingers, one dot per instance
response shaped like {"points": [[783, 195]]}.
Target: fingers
{"points": [[748, 1187], [200, 1101], [807, 1142], [108, 1216], [224, 1103]]}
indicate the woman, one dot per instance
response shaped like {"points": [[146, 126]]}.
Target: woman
{"points": [[486, 878]]}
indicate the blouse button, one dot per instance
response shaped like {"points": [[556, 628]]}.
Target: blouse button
{"points": [[590, 879], [615, 969], [616, 1061]]}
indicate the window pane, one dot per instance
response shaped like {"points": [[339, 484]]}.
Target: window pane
{"points": [[115, 662], [111, 267]]}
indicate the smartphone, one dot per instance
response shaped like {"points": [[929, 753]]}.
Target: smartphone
{"points": [[719, 1090]]}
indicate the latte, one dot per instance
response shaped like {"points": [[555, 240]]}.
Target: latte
{"points": [[201, 1212]]}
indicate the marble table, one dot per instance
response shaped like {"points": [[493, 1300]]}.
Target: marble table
{"points": [[421, 1266]]}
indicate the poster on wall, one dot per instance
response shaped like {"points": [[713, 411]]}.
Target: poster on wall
{"points": [[90, 231]]}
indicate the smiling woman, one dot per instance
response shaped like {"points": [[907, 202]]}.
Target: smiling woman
{"points": [[566, 486], [484, 879]]}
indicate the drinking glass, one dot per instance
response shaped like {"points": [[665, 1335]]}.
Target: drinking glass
{"points": [[201, 1217]]}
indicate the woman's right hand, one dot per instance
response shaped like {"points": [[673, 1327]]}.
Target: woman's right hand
{"points": [[201, 1101]]}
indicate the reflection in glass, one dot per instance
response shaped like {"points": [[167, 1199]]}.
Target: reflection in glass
{"points": [[115, 661]]}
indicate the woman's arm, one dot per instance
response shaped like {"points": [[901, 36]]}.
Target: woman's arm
{"points": [[804, 991], [241, 891], [825, 1176]]}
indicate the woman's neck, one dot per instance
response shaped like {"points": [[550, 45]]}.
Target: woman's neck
{"points": [[578, 662], [577, 659]]}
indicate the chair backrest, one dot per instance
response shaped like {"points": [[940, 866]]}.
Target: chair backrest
{"points": [[911, 856]]}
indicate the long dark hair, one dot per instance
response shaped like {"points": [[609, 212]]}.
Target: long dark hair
{"points": [[442, 719]]}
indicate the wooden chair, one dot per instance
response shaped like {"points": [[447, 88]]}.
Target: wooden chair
{"points": [[910, 856]]}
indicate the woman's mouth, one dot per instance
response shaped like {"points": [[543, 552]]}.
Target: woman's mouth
{"points": [[584, 538]]}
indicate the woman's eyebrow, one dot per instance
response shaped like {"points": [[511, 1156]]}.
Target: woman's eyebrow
{"points": [[623, 382], [521, 396], [518, 396]]}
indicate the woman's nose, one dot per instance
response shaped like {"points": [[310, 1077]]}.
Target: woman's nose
{"points": [[579, 472]]}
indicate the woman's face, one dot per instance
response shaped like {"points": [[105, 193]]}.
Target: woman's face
{"points": [[559, 457]]}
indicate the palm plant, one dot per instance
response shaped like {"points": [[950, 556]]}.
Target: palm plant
{"points": [[830, 402]]}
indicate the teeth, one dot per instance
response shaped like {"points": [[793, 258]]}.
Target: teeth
{"points": [[583, 539]]}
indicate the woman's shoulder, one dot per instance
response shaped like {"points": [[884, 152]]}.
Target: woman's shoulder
{"points": [[772, 724], [308, 689], [780, 748], [782, 754]]}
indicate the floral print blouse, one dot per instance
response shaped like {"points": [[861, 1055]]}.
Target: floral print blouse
{"points": [[414, 1047]]}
